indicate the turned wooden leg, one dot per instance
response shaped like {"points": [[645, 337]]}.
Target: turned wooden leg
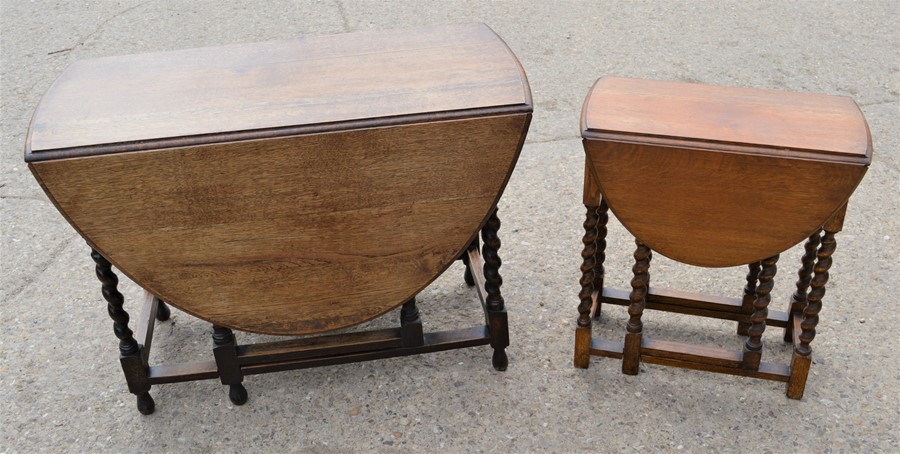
{"points": [[467, 275], [798, 299], [225, 352], [802, 355], [640, 286], [411, 325], [494, 304], [753, 346], [749, 296], [600, 254], [589, 257], [129, 351]]}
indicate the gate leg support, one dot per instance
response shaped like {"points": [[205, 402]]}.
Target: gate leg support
{"points": [[225, 351], [802, 356], [588, 284], [467, 276], [640, 286], [494, 304], [129, 351], [411, 325]]}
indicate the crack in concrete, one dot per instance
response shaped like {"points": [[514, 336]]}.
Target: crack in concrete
{"points": [[83, 39], [23, 197], [343, 12], [552, 139], [878, 103], [41, 268]]}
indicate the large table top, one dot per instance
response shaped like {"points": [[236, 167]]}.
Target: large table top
{"points": [[136, 101]]}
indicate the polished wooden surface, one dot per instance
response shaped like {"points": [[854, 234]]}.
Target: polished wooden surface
{"points": [[721, 176], [288, 187], [292, 235], [137, 100], [771, 121], [718, 209]]}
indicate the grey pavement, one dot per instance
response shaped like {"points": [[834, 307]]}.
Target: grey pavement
{"points": [[61, 388]]}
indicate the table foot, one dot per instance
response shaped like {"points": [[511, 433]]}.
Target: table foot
{"points": [[163, 312], [500, 360], [145, 403], [238, 394]]}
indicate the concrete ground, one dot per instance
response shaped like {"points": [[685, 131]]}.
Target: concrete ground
{"points": [[61, 388]]}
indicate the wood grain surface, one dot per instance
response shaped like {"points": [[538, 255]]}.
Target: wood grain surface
{"points": [[815, 126], [292, 235], [265, 87], [718, 209], [721, 176]]}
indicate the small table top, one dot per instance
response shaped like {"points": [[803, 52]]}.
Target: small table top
{"points": [[722, 176], [769, 121]]}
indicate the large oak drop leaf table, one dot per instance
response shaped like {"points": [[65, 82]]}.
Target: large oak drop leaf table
{"points": [[289, 188]]}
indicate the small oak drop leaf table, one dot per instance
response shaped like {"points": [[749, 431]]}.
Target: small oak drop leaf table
{"points": [[715, 177]]}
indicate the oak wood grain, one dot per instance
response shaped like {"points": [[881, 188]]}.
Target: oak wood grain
{"points": [[693, 353], [769, 121], [718, 209], [715, 177], [768, 371], [264, 88], [292, 235]]}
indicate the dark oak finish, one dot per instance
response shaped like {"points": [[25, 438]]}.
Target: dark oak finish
{"points": [[130, 357], [289, 188], [814, 299], [233, 361], [798, 299], [228, 229], [411, 325], [230, 232], [749, 295], [753, 346], [494, 305], [600, 248], [588, 257], [588, 264], [640, 286], [225, 352], [673, 162]]}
